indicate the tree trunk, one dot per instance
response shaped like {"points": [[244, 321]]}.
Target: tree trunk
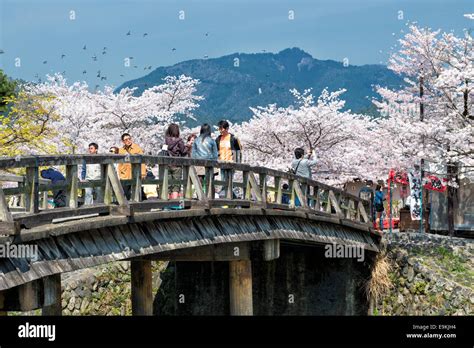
{"points": [[452, 194]]}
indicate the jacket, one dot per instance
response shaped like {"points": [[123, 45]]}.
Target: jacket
{"points": [[204, 149], [303, 167], [56, 178], [176, 147], [125, 169], [235, 147]]}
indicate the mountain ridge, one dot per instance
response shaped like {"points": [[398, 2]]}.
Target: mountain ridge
{"points": [[232, 83]]}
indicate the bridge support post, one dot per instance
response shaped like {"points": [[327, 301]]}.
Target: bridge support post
{"points": [[240, 286], [52, 295], [142, 293]]}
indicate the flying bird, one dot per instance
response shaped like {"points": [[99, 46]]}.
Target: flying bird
{"points": [[173, 49], [62, 56], [128, 34], [121, 75], [135, 66], [104, 52], [2, 51], [98, 73], [206, 56], [94, 58], [84, 47], [207, 34], [44, 62], [84, 72], [145, 34], [103, 78], [96, 86]]}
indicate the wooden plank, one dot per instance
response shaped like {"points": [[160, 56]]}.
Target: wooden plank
{"points": [[299, 193], [254, 187], [71, 181], [362, 213], [262, 178], [142, 293], [240, 287], [334, 203], [46, 216], [5, 214], [116, 185], [193, 177]]}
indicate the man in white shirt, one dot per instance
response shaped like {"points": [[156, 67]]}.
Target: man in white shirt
{"points": [[91, 172]]}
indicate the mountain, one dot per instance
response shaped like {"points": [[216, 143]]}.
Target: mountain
{"points": [[266, 78]]}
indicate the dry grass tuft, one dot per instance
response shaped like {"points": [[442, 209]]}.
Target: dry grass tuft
{"points": [[379, 283]]}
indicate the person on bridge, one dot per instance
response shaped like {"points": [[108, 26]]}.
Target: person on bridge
{"points": [[56, 177], [378, 204], [176, 148], [302, 166], [125, 169], [91, 172], [204, 147], [229, 148]]}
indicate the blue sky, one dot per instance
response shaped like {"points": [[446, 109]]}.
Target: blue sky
{"points": [[361, 30]]}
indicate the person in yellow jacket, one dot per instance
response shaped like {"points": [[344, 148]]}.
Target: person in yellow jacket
{"points": [[125, 169]]}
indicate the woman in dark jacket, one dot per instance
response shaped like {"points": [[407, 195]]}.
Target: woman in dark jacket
{"points": [[175, 148]]}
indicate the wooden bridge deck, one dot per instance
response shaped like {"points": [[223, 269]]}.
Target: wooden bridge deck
{"points": [[75, 237]]}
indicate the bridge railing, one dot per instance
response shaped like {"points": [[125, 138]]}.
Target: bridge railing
{"points": [[222, 184]]}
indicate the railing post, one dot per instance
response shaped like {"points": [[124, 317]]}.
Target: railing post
{"points": [[229, 183], [278, 193], [262, 181], [163, 186], [209, 179], [72, 185], [137, 182], [31, 190]]}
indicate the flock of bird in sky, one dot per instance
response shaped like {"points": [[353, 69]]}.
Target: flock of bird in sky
{"points": [[104, 52]]}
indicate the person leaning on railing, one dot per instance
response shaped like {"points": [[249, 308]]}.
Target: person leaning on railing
{"points": [[229, 148], [176, 148], [91, 172], [125, 169], [204, 147]]}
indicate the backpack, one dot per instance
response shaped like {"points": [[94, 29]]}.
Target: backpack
{"points": [[293, 171], [164, 151]]}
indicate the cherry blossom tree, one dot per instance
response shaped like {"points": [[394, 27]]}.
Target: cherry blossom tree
{"points": [[341, 139], [102, 116], [439, 71], [146, 116]]}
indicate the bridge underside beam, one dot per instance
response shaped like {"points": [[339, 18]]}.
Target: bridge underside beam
{"points": [[217, 252], [142, 293], [240, 287]]}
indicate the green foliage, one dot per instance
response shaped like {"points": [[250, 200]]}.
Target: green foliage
{"points": [[7, 90]]}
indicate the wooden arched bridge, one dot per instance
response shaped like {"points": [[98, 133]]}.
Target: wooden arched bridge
{"points": [[201, 226]]}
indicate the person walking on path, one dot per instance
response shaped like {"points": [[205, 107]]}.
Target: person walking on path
{"points": [[125, 169]]}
